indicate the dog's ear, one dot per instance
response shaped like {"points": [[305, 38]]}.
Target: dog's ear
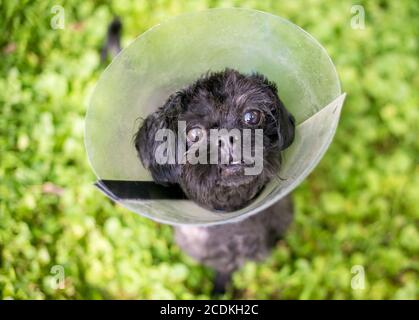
{"points": [[145, 140], [285, 120], [286, 127]]}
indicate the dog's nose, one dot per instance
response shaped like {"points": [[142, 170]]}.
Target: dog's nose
{"points": [[230, 150]]}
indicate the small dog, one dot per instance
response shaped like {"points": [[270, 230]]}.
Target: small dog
{"points": [[220, 100], [230, 100]]}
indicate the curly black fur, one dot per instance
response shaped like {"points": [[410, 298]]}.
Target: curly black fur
{"points": [[219, 100]]}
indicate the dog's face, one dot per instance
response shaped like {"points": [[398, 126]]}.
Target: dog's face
{"points": [[225, 100]]}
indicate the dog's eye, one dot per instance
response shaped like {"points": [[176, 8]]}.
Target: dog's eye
{"points": [[252, 117], [195, 134]]}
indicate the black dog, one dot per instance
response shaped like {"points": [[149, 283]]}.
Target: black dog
{"points": [[220, 100], [229, 100]]}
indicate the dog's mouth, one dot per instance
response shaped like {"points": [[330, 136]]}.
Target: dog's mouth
{"points": [[234, 175]]}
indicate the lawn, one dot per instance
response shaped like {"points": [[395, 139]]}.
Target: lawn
{"points": [[357, 212]]}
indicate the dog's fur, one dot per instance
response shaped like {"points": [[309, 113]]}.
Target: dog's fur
{"points": [[226, 247], [219, 100]]}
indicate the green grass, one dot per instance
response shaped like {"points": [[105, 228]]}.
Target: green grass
{"points": [[359, 207]]}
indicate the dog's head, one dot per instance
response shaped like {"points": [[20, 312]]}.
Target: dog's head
{"points": [[225, 171]]}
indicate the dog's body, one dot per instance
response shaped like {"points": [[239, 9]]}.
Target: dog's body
{"points": [[226, 247]]}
